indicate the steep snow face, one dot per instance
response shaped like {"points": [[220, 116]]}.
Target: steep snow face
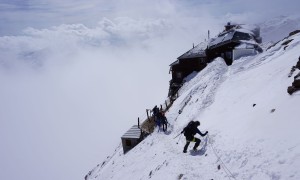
{"points": [[158, 154], [252, 122]]}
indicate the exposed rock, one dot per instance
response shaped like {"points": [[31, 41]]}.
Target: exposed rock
{"points": [[287, 42], [291, 90], [296, 83], [294, 32], [298, 64], [297, 77], [292, 71]]}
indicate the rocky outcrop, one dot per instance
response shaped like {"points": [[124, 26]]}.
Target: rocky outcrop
{"points": [[294, 32], [296, 83]]}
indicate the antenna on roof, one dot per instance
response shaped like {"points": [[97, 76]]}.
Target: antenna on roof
{"points": [[208, 34]]}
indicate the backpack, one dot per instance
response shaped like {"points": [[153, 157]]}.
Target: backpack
{"points": [[188, 130]]}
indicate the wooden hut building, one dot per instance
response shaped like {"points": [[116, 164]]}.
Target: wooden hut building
{"points": [[193, 60], [233, 43], [131, 138]]}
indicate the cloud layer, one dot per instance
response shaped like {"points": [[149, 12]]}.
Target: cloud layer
{"points": [[75, 76], [70, 92]]}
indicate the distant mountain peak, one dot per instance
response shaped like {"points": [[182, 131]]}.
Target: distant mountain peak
{"points": [[279, 27]]}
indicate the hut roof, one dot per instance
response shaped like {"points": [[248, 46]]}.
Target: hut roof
{"points": [[223, 38], [234, 34], [197, 51], [174, 63], [133, 132]]}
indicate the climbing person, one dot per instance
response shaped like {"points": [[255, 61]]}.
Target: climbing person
{"points": [[163, 120], [158, 121], [155, 111], [189, 132]]}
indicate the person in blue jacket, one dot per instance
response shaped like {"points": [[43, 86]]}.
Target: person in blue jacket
{"points": [[163, 120]]}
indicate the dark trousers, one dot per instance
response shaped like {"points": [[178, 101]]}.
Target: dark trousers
{"points": [[193, 139], [164, 126]]}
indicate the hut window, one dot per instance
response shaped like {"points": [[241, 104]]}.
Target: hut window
{"points": [[128, 142], [229, 54], [179, 75], [222, 55], [241, 36]]}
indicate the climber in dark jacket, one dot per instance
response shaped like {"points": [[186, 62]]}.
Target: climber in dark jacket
{"points": [[155, 111], [163, 120], [189, 132]]}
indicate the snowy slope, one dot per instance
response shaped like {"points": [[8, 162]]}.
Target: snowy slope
{"points": [[252, 122]]}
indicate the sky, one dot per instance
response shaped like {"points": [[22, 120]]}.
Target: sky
{"points": [[17, 15], [75, 75]]}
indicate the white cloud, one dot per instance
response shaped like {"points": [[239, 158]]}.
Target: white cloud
{"points": [[70, 87], [80, 66]]}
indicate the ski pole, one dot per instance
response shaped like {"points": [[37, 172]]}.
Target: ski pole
{"points": [[176, 136], [179, 138]]}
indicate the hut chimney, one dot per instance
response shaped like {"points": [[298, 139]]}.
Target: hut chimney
{"points": [[228, 26]]}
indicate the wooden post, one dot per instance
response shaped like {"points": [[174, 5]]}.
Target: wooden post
{"points": [[142, 135], [147, 115]]}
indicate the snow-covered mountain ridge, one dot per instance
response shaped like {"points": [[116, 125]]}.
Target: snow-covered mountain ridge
{"points": [[252, 122], [277, 28]]}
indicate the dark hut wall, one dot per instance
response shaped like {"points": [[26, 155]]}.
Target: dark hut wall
{"points": [[224, 51], [186, 67]]}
